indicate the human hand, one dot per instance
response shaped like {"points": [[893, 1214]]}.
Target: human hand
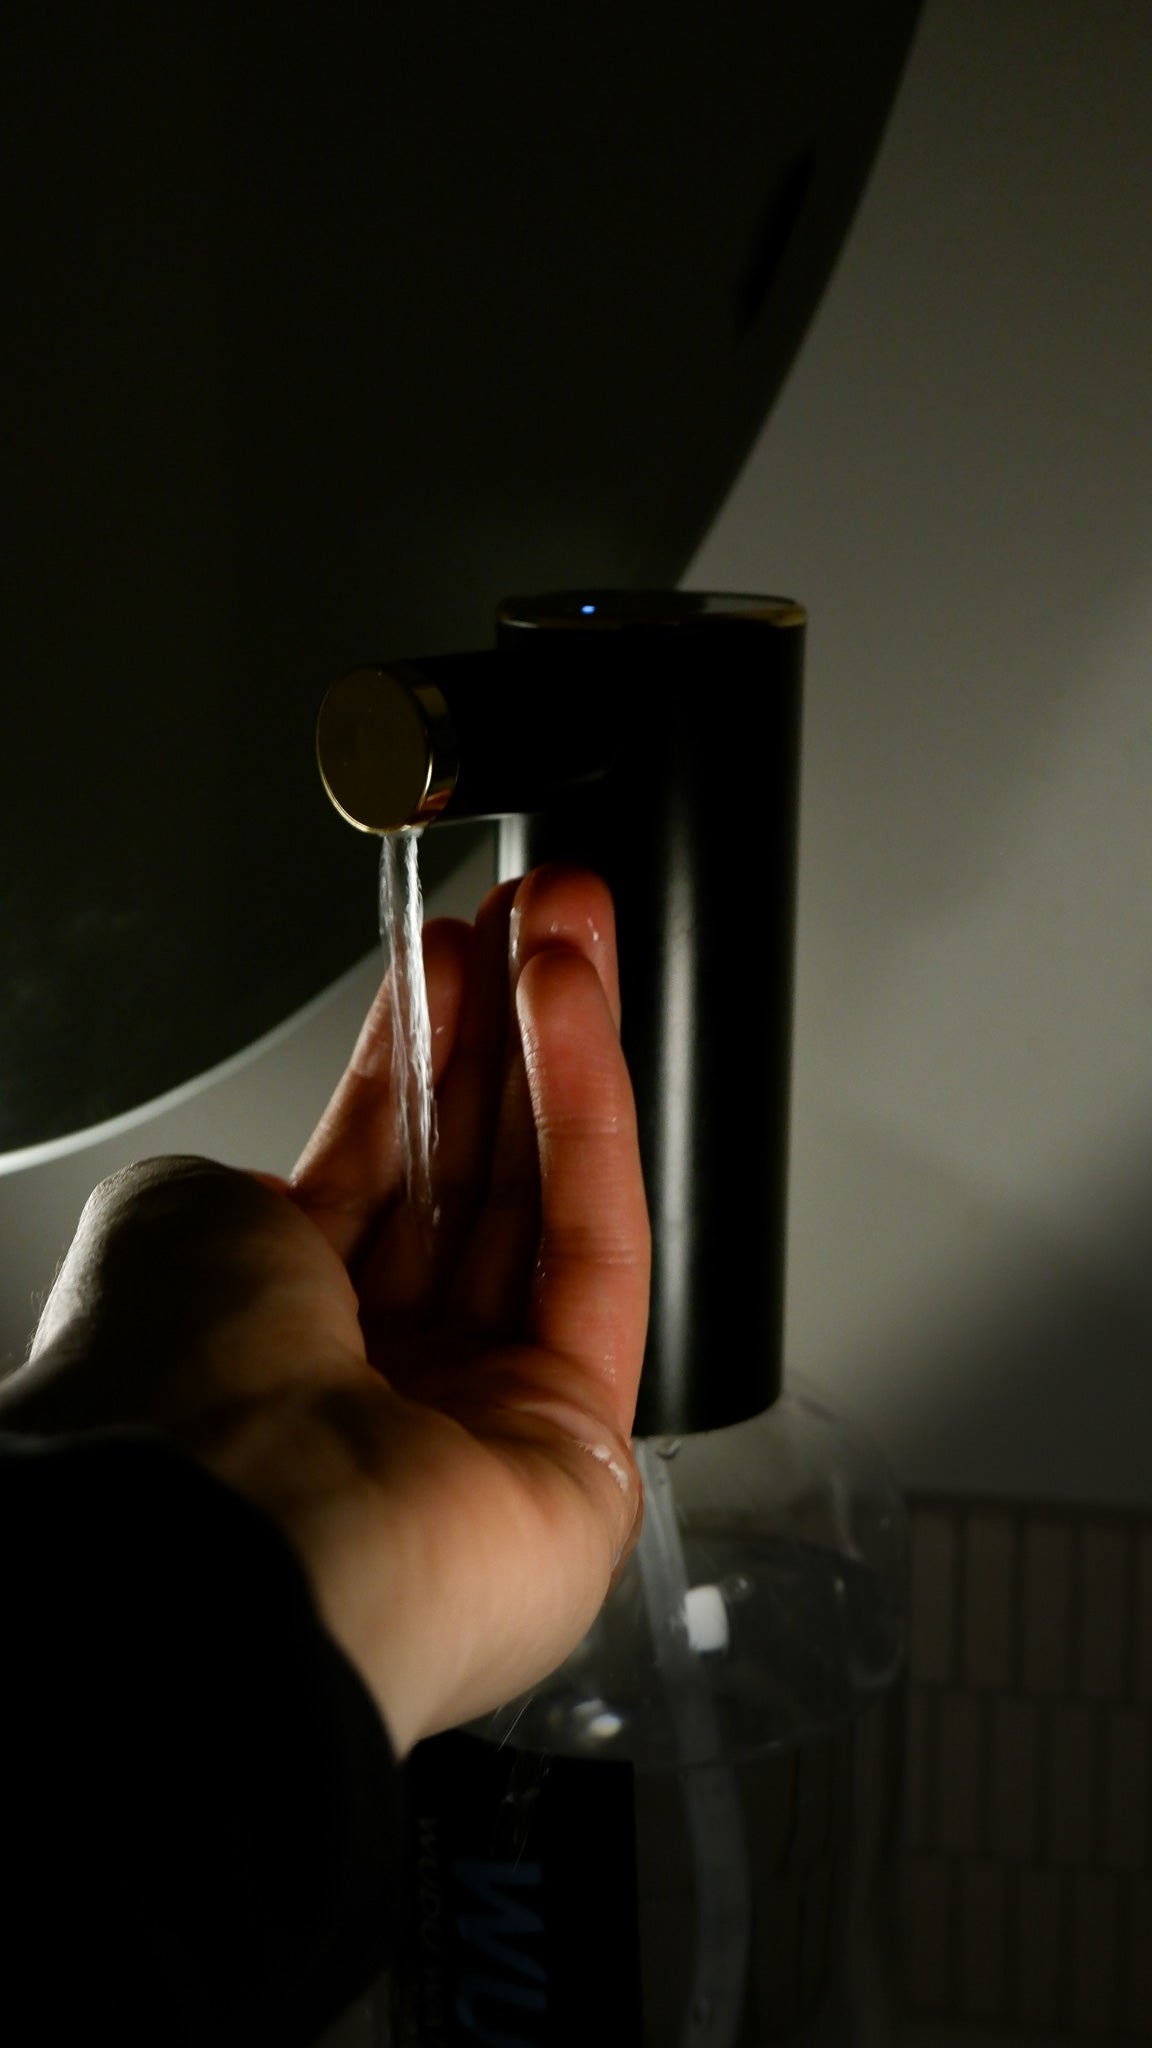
{"points": [[439, 1422]]}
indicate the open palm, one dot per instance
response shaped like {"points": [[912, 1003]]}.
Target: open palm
{"points": [[438, 1421], [493, 1437]]}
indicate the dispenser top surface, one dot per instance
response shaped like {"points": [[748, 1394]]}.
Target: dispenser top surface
{"points": [[617, 610]]}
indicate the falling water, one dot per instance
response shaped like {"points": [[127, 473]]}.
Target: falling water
{"points": [[401, 929]]}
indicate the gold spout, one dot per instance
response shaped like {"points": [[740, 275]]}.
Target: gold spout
{"points": [[386, 748]]}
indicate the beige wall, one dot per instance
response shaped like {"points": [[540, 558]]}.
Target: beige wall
{"points": [[958, 481]]}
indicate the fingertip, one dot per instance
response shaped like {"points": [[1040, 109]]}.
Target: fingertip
{"points": [[562, 907], [558, 985], [449, 945], [496, 906]]}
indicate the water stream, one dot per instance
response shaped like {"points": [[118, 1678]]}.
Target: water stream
{"points": [[711, 1798], [401, 930]]}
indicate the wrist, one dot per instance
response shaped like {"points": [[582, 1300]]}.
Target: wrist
{"points": [[328, 1472]]}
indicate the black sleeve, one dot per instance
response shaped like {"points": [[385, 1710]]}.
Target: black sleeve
{"points": [[200, 1808]]}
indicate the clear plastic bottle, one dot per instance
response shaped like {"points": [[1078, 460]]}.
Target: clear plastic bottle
{"points": [[684, 1838]]}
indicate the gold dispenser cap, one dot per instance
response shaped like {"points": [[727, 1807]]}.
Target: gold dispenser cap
{"points": [[386, 748]]}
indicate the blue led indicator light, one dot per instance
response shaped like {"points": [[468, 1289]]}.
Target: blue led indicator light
{"points": [[587, 607]]}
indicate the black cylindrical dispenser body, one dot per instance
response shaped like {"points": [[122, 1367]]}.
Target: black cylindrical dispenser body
{"points": [[693, 824]]}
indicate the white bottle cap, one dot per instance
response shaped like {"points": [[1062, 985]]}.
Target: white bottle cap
{"points": [[706, 1617]]}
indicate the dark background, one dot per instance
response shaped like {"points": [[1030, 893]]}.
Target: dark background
{"points": [[325, 331]]}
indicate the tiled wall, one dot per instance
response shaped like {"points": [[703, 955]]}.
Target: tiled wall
{"points": [[1026, 1894]]}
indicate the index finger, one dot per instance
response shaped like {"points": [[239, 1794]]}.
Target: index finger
{"points": [[589, 1298]]}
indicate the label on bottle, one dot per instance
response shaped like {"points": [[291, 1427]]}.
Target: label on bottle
{"points": [[522, 1900]]}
